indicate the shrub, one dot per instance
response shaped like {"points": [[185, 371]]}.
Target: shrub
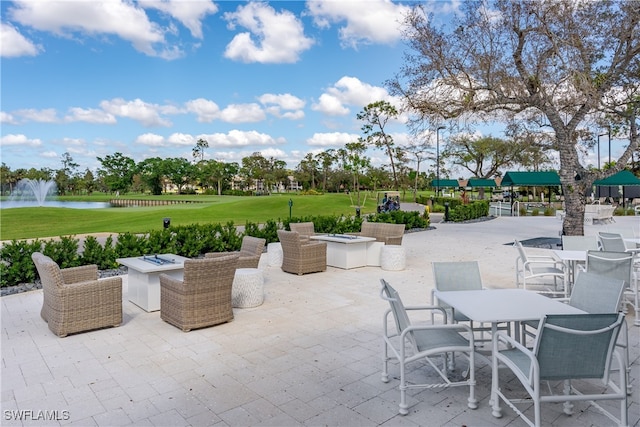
{"points": [[535, 212], [477, 209], [549, 212], [16, 265], [63, 251]]}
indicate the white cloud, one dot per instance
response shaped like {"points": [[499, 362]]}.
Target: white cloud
{"points": [[182, 139], [242, 113], [237, 138], [13, 44], [116, 17], [49, 154], [276, 103], [206, 111], [272, 37], [7, 118], [143, 112], [350, 91], [48, 115], [151, 140], [373, 21], [189, 13], [90, 115], [285, 101], [333, 139], [12, 139]]}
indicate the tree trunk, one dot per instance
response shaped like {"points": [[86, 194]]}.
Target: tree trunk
{"points": [[574, 200]]}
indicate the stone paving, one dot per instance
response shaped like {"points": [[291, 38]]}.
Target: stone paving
{"points": [[309, 355]]}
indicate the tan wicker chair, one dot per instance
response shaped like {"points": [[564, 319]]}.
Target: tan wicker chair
{"points": [[300, 256], [203, 297], [250, 252], [305, 229], [75, 300], [389, 234]]}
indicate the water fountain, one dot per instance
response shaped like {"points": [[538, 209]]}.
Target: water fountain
{"points": [[33, 191]]}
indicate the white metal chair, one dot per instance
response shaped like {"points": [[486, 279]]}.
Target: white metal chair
{"points": [[409, 343], [458, 276], [579, 243], [620, 265], [568, 348], [539, 266]]}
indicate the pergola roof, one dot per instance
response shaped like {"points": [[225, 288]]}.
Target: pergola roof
{"points": [[530, 179], [624, 177], [445, 183], [481, 182]]}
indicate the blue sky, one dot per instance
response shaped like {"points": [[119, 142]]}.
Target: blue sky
{"points": [[148, 78]]}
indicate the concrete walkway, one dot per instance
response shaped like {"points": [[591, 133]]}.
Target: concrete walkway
{"points": [[310, 355]]}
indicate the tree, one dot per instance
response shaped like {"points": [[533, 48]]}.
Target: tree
{"points": [[117, 171], [420, 151], [377, 115], [354, 161], [254, 168], [308, 168], [152, 172], [519, 60], [326, 159], [198, 150], [179, 171], [482, 157]]}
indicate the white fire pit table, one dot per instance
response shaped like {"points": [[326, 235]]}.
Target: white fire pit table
{"points": [[346, 251], [144, 277]]}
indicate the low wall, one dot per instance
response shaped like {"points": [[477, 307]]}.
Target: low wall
{"points": [[118, 203]]}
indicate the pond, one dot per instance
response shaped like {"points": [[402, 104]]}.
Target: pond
{"points": [[53, 204]]}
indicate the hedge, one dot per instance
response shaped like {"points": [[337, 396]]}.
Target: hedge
{"points": [[190, 241]]}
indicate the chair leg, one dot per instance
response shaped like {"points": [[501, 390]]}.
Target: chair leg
{"points": [[404, 408], [567, 406], [385, 360]]}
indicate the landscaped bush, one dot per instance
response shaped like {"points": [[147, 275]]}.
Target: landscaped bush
{"points": [[474, 210], [189, 241], [16, 265]]}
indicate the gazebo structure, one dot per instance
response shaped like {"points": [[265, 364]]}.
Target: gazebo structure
{"points": [[444, 183], [531, 179], [624, 178], [480, 183]]}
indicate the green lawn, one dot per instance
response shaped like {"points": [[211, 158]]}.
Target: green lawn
{"points": [[25, 223]]}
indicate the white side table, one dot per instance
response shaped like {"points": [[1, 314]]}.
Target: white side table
{"points": [[274, 253], [392, 258], [248, 288]]}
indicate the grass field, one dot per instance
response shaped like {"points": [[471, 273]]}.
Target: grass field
{"points": [[40, 222]]}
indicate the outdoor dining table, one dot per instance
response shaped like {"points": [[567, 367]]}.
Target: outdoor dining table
{"points": [[496, 306]]}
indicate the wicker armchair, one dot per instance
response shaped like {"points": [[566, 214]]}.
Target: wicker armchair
{"points": [[389, 234], [300, 256], [203, 297], [305, 229], [75, 300], [249, 255]]}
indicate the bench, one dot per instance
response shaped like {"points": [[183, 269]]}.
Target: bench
{"points": [[603, 213], [389, 234]]}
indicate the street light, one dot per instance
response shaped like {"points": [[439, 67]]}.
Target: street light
{"points": [[602, 134], [438, 159]]}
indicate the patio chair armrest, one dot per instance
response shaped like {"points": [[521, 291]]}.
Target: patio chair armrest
{"points": [[91, 286], [80, 274], [171, 284]]}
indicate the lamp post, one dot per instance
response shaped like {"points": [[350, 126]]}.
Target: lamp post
{"points": [[602, 134], [438, 159]]}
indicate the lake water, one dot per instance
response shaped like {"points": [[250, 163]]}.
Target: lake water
{"points": [[54, 204]]}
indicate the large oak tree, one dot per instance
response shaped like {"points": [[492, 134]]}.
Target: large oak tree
{"points": [[570, 63]]}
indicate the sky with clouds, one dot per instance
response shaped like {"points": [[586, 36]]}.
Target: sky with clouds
{"points": [[149, 78]]}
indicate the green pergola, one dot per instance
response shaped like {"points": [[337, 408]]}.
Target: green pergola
{"points": [[623, 178], [481, 182], [531, 179], [445, 183]]}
